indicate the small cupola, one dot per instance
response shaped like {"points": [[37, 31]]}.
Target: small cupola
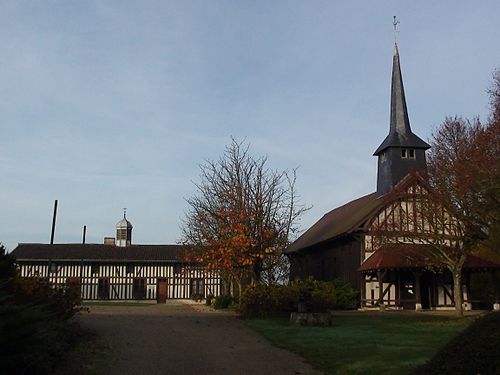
{"points": [[124, 231]]}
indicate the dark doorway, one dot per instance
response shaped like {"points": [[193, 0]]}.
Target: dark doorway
{"points": [[427, 290], [139, 289], [161, 291], [103, 289]]}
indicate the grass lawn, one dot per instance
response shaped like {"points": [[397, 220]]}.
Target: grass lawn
{"points": [[358, 343]]}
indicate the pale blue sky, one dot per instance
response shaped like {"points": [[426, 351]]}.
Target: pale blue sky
{"points": [[111, 104]]}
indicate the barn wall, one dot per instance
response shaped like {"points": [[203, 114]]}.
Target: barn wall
{"points": [[121, 277], [337, 259]]}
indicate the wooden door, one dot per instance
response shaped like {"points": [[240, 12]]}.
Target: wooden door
{"points": [[161, 291]]}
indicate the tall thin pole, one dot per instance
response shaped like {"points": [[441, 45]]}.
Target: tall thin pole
{"points": [[84, 233], [53, 223]]}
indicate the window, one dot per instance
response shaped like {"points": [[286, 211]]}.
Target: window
{"points": [[407, 153], [130, 268], [94, 268], [197, 289]]}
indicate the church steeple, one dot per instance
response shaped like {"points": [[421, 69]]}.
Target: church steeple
{"points": [[401, 152]]}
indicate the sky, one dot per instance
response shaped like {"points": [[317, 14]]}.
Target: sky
{"points": [[112, 104]]}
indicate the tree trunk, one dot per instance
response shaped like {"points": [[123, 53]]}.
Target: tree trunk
{"points": [[457, 291]]}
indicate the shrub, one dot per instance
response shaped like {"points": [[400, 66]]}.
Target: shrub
{"points": [[263, 300], [222, 302], [35, 326], [209, 300]]}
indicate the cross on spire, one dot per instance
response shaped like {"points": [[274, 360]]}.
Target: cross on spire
{"points": [[395, 23]]}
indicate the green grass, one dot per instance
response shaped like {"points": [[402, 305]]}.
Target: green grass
{"points": [[126, 304], [358, 344]]}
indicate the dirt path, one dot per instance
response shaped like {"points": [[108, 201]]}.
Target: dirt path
{"points": [[187, 339]]}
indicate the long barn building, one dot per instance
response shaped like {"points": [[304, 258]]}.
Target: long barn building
{"points": [[118, 269]]}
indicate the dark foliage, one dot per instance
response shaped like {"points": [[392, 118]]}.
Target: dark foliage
{"points": [[221, 302], [35, 325], [476, 350], [265, 300]]}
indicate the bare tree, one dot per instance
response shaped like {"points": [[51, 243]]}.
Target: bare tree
{"points": [[243, 217]]}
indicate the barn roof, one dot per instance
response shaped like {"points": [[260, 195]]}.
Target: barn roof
{"points": [[397, 256], [98, 252], [341, 220]]}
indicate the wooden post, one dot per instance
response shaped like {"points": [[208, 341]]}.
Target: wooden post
{"points": [[53, 223], [418, 299], [398, 289], [380, 277], [363, 290], [84, 234]]}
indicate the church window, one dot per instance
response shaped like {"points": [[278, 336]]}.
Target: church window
{"points": [[412, 154], [404, 154]]}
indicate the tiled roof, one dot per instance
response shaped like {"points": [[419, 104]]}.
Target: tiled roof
{"points": [[414, 256], [34, 251], [341, 220]]}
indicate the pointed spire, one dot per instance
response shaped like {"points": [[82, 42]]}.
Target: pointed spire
{"points": [[400, 134], [400, 122]]}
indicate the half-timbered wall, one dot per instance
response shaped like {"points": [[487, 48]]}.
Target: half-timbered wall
{"points": [[401, 222], [126, 281]]}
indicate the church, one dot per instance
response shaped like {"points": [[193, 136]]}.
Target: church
{"points": [[117, 269], [341, 244]]}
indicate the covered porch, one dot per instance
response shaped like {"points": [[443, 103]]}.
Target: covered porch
{"points": [[399, 279]]}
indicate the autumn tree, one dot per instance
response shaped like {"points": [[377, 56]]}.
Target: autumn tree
{"points": [[242, 217]]}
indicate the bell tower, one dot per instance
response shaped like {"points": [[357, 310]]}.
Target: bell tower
{"points": [[124, 231], [401, 152]]}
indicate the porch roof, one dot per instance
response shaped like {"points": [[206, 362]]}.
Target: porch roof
{"points": [[405, 256]]}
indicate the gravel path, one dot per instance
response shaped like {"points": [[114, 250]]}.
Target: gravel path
{"points": [[182, 338]]}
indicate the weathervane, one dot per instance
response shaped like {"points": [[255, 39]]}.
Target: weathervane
{"points": [[395, 23], [124, 212]]}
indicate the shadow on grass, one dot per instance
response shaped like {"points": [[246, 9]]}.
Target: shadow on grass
{"points": [[364, 344]]}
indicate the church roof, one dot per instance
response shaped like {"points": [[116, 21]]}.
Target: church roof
{"points": [[98, 252], [400, 134], [397, 256], [341, 220]]}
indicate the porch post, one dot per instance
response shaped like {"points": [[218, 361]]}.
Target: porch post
{"points": [[380, 276], [363, 290], [398, 289], [418, 299]]}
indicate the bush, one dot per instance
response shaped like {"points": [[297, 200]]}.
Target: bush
{"points": [[222, 302], [209, 300], [35, 326], [263, 300]]}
